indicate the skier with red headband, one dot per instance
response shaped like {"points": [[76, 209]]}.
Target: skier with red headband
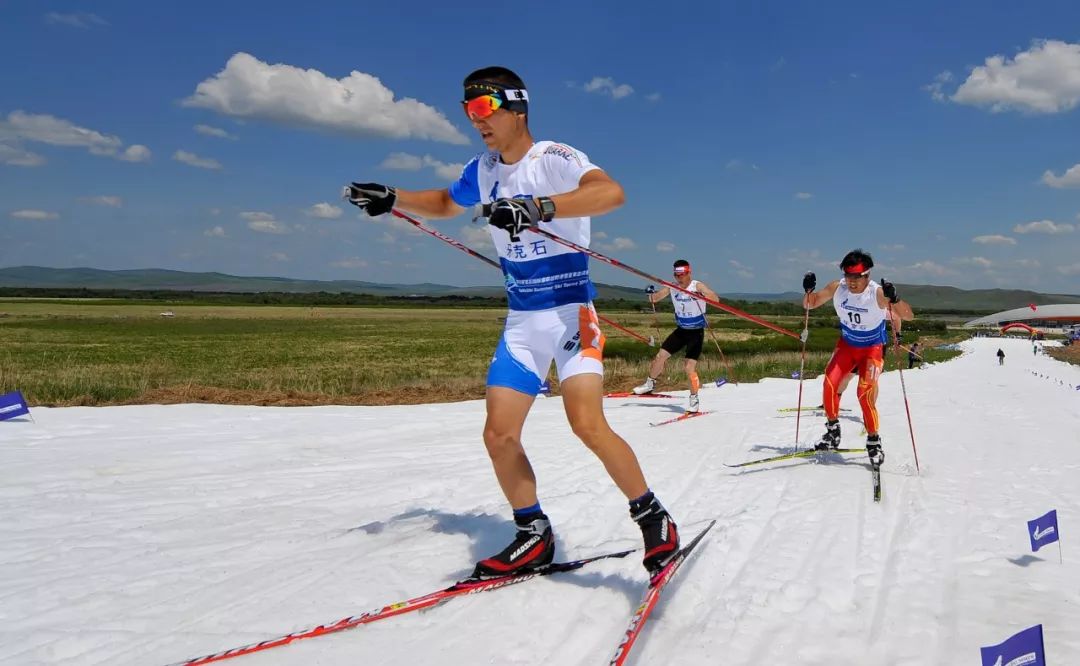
{"points": [[551, 319], [689, 329], [863, 307]]}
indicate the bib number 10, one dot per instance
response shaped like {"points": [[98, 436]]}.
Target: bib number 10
{"points": [[854, 317]]}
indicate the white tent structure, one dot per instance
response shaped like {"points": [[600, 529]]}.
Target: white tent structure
{"points": [[1044, 316]]}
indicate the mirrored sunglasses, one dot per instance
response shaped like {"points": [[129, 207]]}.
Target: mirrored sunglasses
{"points": [[479, 108]]}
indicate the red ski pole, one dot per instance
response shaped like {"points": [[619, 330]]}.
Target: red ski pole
{"points": [[491, 262]]}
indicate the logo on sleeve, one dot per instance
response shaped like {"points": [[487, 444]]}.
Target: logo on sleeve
{"points": [[565, 152]]}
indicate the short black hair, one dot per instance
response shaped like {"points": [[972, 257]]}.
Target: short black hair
{"points": [[500, 75], [680, 262], [856, 257]]}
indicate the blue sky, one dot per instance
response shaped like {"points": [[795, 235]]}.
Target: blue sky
{"points": [[757, 142]]}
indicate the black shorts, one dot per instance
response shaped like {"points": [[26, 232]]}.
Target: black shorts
{"points": [[691, 338]]}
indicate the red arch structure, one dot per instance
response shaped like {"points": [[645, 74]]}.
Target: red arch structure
{"points": [[1017, 324]]}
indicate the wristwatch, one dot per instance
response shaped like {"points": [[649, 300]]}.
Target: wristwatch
{"points": [[547, 209]]}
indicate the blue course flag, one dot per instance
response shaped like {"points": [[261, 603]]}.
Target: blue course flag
{"points": [[11, 405], [720, 382], [1043, 531], [1022, 649], [795, 375]]}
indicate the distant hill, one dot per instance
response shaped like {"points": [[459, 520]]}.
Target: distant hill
{"points": [[920, 296]]}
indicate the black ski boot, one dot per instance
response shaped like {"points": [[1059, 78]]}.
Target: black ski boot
{"points": [[831, 438], [874, 450], [658, 530], [532, 547]]}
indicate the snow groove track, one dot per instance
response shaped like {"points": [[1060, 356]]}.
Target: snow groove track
{"points": [[146, 535]]}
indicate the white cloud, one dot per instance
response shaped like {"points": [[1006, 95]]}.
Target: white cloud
{"points": [[605, 85], [387, 238], [216, 232], [43, 128], [135, 153], [407, 162], [75, 19], [741, 270], [16, 156], [358, 104], [665, 246], [105, 200], [736, 164], [935, 88], [1070, 178], [32, 214], [1027, 263], [653, 97], [621, 243], [1044, 227], [214, 131], [278, 256], [994, 239], [351, 262], [263, 222], [937, 270], [191, 159], [804, 195], [324, 211], [477, 236], [1070, 269], [894, 247], [1043, 79], [979, 262], [599, 235]]}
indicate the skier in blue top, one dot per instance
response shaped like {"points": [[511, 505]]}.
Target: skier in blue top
{"points": [[551, 319]]}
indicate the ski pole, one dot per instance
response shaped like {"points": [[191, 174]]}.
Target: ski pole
{"points": [[712, 334], [802, 362], [491, 262], [903, 389], [655, 321], [485, 211]]}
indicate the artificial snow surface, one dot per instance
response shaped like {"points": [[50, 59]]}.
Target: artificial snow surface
{"points": [[151, 534]]}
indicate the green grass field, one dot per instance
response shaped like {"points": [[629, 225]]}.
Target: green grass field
{"points": [[83, 352]]}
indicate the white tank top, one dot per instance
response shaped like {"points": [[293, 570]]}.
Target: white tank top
{"points": [[689, 311], [862, 320]]}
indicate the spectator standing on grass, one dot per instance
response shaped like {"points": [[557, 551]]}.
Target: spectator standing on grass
{"points": [[528, 183]]}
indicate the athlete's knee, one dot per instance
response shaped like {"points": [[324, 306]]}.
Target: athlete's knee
{"points": [[592, 432], [501, 442]]}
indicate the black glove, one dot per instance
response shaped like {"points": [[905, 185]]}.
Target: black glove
{"points": [[651, 289], [889, 289], [372, 198], [809, 282], [899, 337], [514, 216]]}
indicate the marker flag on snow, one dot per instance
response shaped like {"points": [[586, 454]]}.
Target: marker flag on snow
{"points": [[720, 382], [1043, 531], [11, 405], [1022, 649], [795, 375]]}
